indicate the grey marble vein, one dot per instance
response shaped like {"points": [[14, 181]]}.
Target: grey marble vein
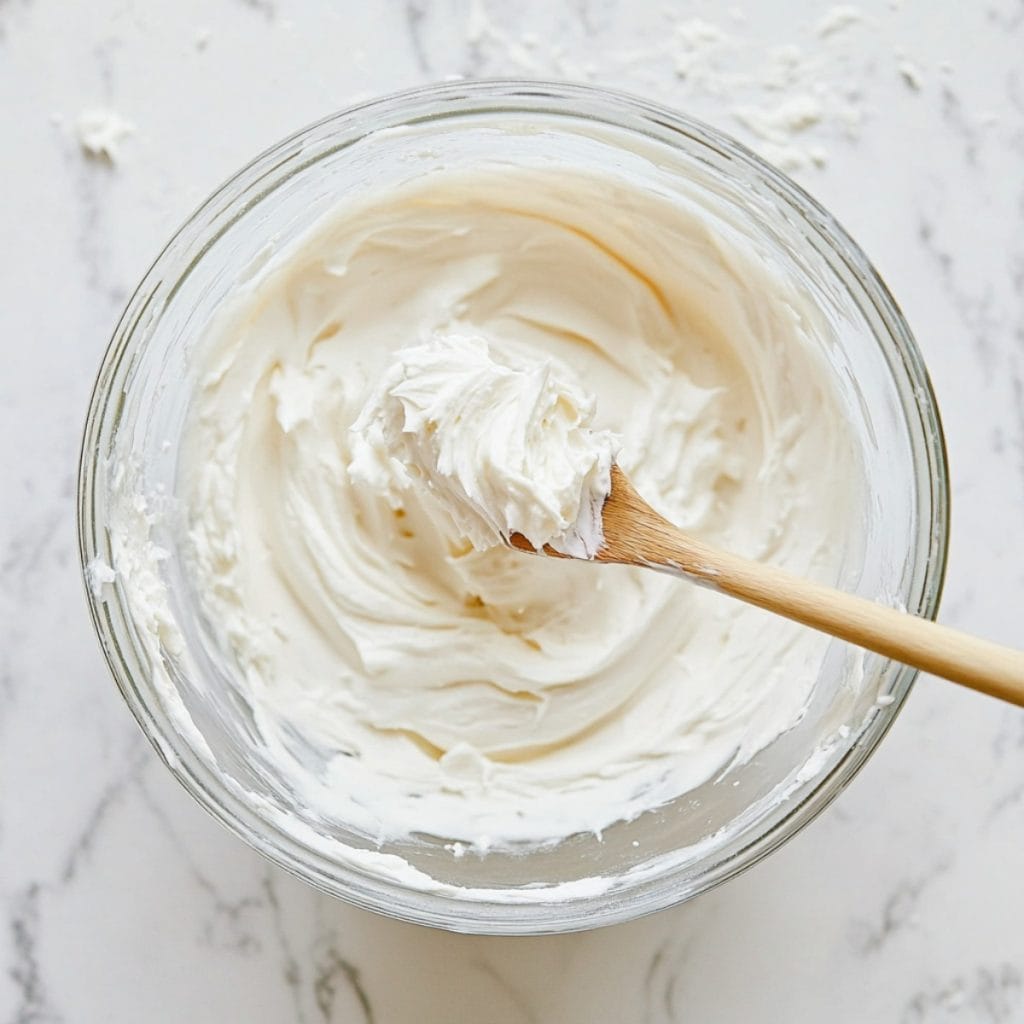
{"points": [[234, 923], [415, 13], [264, 7], [22, 555], [330, 970], [660, 983], [516, 998], [977, 312], [596, 16], [93, 179], [1008, 801], [1009, 20], [33, 1005], [954, 116], [897, 913], [994, 995], [291, 971], [1015, 90], [1017, 407], [1008, 741], [104, 54], [80, 847]]}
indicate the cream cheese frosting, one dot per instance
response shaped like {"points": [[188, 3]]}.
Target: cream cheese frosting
{"points": [[502, 447], [406, 674]]}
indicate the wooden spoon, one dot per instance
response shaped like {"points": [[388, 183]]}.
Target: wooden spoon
{"points": [[634, 534]]}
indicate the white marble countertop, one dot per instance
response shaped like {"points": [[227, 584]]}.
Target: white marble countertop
{"points": [[122, 901]]}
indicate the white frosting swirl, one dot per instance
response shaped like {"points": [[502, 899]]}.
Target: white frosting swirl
{"points": [[402, 680]]}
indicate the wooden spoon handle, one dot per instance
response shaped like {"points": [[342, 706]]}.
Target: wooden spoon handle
{"points": [[971, 661]]}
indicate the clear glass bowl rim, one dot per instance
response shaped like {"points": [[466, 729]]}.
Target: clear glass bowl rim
{"points": [[523, 97]]}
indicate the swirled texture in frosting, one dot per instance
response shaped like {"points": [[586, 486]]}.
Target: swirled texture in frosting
{"points": [[405, 681]]}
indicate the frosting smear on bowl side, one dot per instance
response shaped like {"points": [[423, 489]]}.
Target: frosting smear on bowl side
{"points": [[407, 672]]}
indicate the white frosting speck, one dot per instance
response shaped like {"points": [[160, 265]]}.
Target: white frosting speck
{"points": [[101, 133]]}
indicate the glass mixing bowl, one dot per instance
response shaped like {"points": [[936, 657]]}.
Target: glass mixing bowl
{"points": [[205, 734]]}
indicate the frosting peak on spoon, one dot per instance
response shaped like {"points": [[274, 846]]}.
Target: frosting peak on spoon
{"points": [[503, 447]]}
